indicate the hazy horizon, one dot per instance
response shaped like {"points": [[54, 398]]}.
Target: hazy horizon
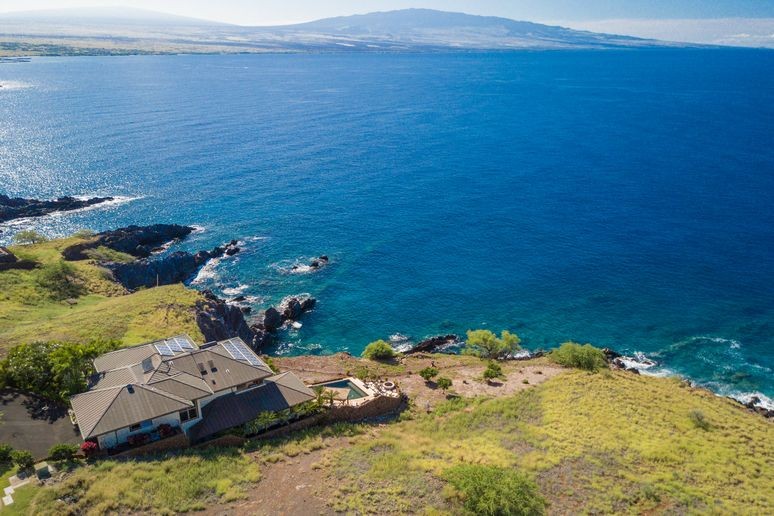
{"points": [[731, 22]]}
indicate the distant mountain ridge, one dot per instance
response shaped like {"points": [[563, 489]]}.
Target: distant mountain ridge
{"points": [[128, 30]]}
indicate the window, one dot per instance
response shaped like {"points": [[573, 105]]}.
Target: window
{"points": [[142, 425], [134, 428], [188, 415]]}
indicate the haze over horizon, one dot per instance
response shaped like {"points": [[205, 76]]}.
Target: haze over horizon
{"points": [[733, 22]]}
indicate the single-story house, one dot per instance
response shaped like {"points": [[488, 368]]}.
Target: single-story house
{"points": [[200, 390]]}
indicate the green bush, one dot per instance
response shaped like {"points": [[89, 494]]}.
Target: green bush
{"points": [[444, 383], [699, 420], [586, 357], [60, 280], [5, 453], [62, 451], [29, 237], [23, 459], [493, 370], [485, 344], [428, 373], [379, 350], [494, 491]]}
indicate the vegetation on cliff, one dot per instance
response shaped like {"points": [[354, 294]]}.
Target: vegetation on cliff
{"points": [[77, 301]]}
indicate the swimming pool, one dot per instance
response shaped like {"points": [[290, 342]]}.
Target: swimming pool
{"points": [[355, 392]]}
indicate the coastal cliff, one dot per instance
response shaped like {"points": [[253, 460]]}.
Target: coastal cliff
{"points": [[16, 207]]}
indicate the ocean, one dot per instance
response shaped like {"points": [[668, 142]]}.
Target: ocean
{"points": [[622, 198]]}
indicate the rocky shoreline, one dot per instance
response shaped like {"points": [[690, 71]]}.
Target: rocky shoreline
{"points": [[19, 208]]}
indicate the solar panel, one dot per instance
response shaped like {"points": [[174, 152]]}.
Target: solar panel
{"points": [[174, 345], [164, 350], [184, 342], [239, 351]]}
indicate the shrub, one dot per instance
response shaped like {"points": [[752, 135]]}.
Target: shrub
{"points": [[6, 451], [493, 370], [378, 350], [89, 448], [586, 357], [62, 451], [699, 420], [444, 383], [84, 233], [29, 237], [60, 280], [485, 344], [428, 373], [23, 459], [494, 491]]}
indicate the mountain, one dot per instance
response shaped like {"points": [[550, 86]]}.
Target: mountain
{"points": [[126, 31]]}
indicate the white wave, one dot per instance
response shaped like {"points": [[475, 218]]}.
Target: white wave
{"points": [[638, 361], [746, 397], [301, 265], [198, 229], [235, 291], [14, 85], [398, 337], [208, 272]]}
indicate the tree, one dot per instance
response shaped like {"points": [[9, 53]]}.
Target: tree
{"points": [[444, 383], [6, 452], [379, 350], [495, 491], [493, 371], [428, 373], [29, 237], [23, 459], [572, 354], [61, 280], [485, 344], [62, 452]]}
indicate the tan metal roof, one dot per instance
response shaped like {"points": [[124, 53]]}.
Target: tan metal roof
{"points": [[161, 384], [102, 411]]}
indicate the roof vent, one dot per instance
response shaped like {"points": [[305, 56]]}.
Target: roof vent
{"points": [[130, 388], [147, 365]]}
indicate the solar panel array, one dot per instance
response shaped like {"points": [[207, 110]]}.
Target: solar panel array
{"points": [[171, 347], [239, 351]]}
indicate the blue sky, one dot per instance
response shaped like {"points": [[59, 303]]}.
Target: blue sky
{"points": [[704, 21]]}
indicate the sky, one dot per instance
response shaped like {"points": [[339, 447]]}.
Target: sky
{"points": [[685, 20]]}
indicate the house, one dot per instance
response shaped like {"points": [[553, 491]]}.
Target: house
{"points": [[200, 390]]}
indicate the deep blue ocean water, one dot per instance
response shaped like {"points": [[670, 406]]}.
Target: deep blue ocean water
{"points": [[619, 198]]}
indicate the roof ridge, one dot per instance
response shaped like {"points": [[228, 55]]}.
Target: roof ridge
{"points": [[163, 393], [106, 409], [286, 373]]}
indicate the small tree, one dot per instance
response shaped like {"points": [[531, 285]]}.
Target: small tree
{"points": [[29, 237], [572, 354], [428, 373], [379, 350], [62, 451], [23, 459], [444, 383], [493, 371], [5, 453], [485, 344], [61, 280]]}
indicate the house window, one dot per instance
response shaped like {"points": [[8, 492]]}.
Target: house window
{"points": [[134, 428], [142, 425], [188, 415]]}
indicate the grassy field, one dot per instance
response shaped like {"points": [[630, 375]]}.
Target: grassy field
{"points": [[92, 307], [594, 443]]}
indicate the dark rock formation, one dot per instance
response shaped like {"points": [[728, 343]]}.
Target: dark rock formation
{"points": [[316, 263], [610, 355], [18, 208], [291, 309], [6, 256], [138, 241], [272, 319], [9, 261], [755, 405], [174, 268], [431, 344], [219, 320]]}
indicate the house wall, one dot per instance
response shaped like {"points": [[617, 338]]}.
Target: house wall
{"points": [[111, 439]]}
